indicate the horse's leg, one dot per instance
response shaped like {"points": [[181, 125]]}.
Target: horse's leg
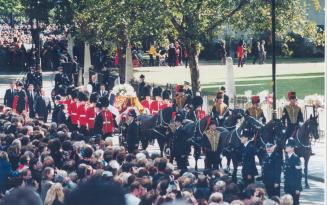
{"points": [[161, 143], [235, 165], [306, 162], [197, 152]]}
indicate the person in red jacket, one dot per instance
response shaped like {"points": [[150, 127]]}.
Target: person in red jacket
{"points": [[240, 53], [108, 119], [156, 104], [72, 110], [81, 112], [91, 113], [147, 101], [197, 104]]}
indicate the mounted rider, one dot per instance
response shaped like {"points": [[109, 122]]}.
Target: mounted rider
{"points": [[196, 112], [255, 111], [220, 110], [292, 115], [180, 98]]}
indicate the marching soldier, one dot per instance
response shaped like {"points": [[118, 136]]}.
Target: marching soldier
{"points": [[292, 172], [19, 102], [108, 119], [180, 98], [31, 97], [292, 115], [249, 170], [91, 113], [81, 112], [180, 148], [271, 171], [196, 113], [72, 110], [61, 81], [212, 146], [147, 101], [42, 106], [156, 104], [38, 80], [166, 99], [57, 114], [132, 132], [220, 109], [9, 95], [255, 110]]}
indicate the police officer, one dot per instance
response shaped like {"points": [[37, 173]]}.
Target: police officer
{"points": [[292, 115], [255, 111], [132, 132], [212, 146], [271, 170], [180, 148], [220, 110], [61, 81], [292, 172], [249, 170]]}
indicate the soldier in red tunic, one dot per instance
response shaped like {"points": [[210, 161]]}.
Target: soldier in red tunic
{"points": [[156, 104], [108, 119], [81, 112], [197, 104], [147, 101], [166, 99], [72, 110], [91, 113]]}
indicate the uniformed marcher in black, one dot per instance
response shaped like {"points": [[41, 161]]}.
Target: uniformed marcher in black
{"points": [[141, 86], [249, 169], [271, 170], [9, 95], [98, 121], [180, 147], [56, 109], [132, 132], [213, 146], [292, 172], [21, 94], [61, 82], [292, 115]]}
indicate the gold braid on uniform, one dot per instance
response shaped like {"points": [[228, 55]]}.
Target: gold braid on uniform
{"points": [[293, 112], [213, 137], [255, 112]]}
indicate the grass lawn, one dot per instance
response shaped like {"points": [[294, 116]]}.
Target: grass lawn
{"points": [[303, 87]]}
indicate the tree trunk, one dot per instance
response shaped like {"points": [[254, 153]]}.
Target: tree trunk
{"points": [[122, 45], [194, 67]]}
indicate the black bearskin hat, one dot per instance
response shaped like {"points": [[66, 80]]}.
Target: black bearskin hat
{"points": [[197, 101], [94, 97], [166, 94], [82, 96], [104, 101], [147, 90]]}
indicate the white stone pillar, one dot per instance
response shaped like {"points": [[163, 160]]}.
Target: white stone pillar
{"points": [[229, 79], [87, 62], [70, 45], [129, 65]]}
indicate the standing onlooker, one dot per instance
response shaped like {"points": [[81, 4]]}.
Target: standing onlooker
{"points": [[226, 98], [186, 58], [255, 52], [178, 53], [55, 195], [141, 90], [240, 53], [152, 53], [262, 52], [136, 192], [171, 55], [292, 172], [46, 183]]}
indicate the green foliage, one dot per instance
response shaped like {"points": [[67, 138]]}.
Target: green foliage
{"points": [[8, 7], [38, 9]]}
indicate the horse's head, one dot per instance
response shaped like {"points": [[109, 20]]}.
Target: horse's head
{"points": [[312, 126], [231, 120], [274, 132], [251, 123]]}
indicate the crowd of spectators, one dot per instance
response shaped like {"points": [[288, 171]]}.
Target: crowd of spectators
{"points": [[48, 164], [18, 52]]}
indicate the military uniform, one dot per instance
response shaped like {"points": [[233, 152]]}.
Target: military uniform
{"points": [[146, 103], [61, 83], [292, 174], [220, 111], [91, 113], [166, 99], [180, 99], [155, 105], [255, 111], [213, 147], [132, 134], [271, 171], [292, 116]]}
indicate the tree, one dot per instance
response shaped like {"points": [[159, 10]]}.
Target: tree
{"points": [[10, 8]]}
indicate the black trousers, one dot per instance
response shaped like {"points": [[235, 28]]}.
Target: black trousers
{"points": [[296, 197], [151, 60], [43, 117], [181, 162], [212, 160], [272, 191], [186, 62], [240, 62]]}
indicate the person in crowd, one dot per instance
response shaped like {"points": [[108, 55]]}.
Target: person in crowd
{"points": [[179, 99], [9, 95], [255, 52], [152, 53], [61, 81], [141, 87], [172, 55], [103, 92], [81, 112], [42, 106], [292, 172], [31, 98], [186, 57], [95, 84], [262, 52], [292, 115], [55, 195], [47, 181], [19, 102], [255, 110], [135, 193], [91, 113], [22, 196], [166, 99], [271, 170], [249, 169], [240, 53]]}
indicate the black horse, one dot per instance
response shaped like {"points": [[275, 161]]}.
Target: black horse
{"points": [[303, 138], [232, 144], [155, 127]]}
